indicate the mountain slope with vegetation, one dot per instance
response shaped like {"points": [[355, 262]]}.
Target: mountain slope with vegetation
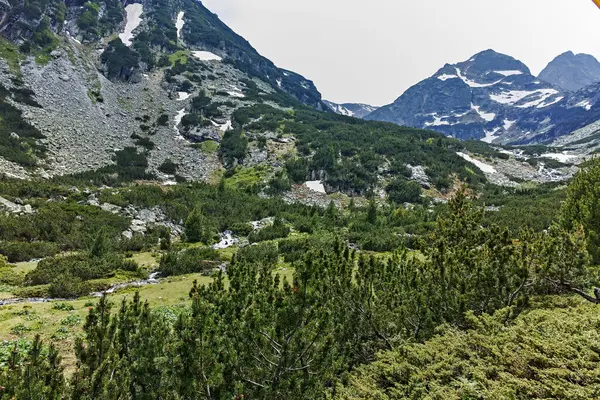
{"points": [[179, 219]]}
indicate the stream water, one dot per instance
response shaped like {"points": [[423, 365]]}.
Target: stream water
{"points": [[152, 280]]}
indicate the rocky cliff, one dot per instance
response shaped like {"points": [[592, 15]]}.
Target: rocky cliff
{"points": [[572, 72]]}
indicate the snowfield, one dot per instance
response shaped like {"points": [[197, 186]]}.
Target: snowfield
{"points": [[179, 24], [585, 104], [206, 56], [474, 84], [183, 96], [437, 121], [561, 157], [180, 114], [509, 73], [133, 18], [490, 136], [489, 117], [445, 77], [315, 186], [488, 169], [513, 97]]}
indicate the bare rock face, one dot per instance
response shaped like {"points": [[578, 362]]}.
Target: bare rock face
{"points": [[572, 72]]}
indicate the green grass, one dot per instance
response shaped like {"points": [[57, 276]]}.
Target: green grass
{"points": [[10, 53], [42, 58], [208, 147], [246, 178], [181, 56], [28, 320], [24, 267]]}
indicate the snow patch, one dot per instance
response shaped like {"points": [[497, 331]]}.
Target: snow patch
{"points": [[134, 18], [437, 121], [508, 124], [585, 104], [183, 96], [490, 136], [512, 97], [206, 56], [279, 83], [489, 117], [315, 186], [179, 24], [445, 77], [488, 169], [180, 114], [550, 103], [509, 73], [227, 240], [474, 84], [226, 126], [235, 92], [339, 109]]}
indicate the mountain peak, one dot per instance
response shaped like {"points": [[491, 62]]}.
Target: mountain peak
{"points": [[357, 110], [571, 71], [490, 60]]}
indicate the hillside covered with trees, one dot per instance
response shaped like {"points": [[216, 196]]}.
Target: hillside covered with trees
{"points": [[468, 307]]}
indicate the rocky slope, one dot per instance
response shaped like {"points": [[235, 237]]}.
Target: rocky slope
{"points": [[357, 110], [82, 82], [494, 98], [572, 72]]}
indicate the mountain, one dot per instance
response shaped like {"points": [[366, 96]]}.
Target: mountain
{"points": [[572, 72], [80, 81], [494, 98], [480, 98], [357, 110]]}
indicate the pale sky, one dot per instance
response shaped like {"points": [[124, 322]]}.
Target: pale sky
{"points": [[371, 51]]}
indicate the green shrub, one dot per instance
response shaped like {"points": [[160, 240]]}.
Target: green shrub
{"points": [[276, 231], [266, 253], [198, 259], [120, 61], [67, 286], [402, 191], [8, 276], [168, 167], [25, 251], [63, 307], [71, 320]]}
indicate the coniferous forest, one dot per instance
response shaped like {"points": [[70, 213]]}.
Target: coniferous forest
{"points": [[469, 307]]}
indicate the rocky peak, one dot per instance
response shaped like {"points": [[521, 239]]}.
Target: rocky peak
{"points": [[489, 61], [357, 110], [480, 98], [572, 72]]}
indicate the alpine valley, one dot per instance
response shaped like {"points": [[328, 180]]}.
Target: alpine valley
{"points": [[180, 218]]}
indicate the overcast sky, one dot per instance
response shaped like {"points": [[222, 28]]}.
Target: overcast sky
{"points": [[371, 51]]}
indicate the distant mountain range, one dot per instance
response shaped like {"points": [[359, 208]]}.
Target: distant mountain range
{"points": [[572, 72], [357, 110], [495, 98]]}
